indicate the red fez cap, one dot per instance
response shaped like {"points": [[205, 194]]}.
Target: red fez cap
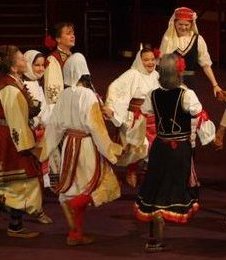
{"points": [[184, 13]]}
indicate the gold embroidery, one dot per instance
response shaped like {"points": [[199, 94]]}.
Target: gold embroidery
{"points": [[53, 92], [64, 56], [15, 136]]}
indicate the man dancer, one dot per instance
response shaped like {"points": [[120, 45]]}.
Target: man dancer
{"points": [[53, 76]]}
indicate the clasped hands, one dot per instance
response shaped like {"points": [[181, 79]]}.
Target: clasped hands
{"points": [[107, 112]]}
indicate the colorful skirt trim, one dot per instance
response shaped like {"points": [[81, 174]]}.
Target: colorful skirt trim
{"points": [[167, 214]]}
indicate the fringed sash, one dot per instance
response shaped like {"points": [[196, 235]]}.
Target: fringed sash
{"points": [[70, 163]]}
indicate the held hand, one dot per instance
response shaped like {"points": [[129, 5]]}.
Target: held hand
{"points": [[221, 96], [216, 90], [39, 132], [107, 112]]}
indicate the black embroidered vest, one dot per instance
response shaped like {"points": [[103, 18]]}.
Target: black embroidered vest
{"points": [[172, 122], [190, 54]]}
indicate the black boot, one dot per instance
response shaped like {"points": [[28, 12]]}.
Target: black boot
{"points": [[155, 242], [15, 228]]}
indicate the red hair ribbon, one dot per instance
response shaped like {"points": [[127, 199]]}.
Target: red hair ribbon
{"points": [[202, 116], [50, 42], [180, 64], [156, 53]]}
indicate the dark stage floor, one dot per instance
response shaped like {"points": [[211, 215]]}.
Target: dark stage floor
{"points": [[117, 234]]}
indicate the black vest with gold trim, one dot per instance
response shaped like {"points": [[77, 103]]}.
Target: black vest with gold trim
{"points": [[172, 122]]}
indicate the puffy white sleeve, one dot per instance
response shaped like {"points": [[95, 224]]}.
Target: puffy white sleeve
{"points": [[203, 54], [191, 102], [120, 92], [204, 126]]}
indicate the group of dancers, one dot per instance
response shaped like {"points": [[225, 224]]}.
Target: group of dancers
{"points": [[51, 118]]}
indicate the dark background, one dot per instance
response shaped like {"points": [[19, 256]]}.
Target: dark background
{"points": [[25, 23]]}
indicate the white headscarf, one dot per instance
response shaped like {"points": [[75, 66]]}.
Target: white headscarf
{"points": [[74, 67], [170, 39], [30, 57], [138, 64]]}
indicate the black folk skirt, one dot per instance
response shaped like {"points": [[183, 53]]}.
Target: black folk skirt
{"points": [[165, 190]]}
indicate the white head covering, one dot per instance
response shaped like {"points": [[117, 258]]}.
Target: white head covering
{"points": [[138, 64], [30, 57], [170, 38], [74, 67]]}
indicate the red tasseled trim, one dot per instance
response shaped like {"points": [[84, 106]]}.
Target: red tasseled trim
{"points": [[167, 215]]}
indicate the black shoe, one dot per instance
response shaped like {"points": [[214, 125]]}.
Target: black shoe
{"points": [[22, 233]]}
